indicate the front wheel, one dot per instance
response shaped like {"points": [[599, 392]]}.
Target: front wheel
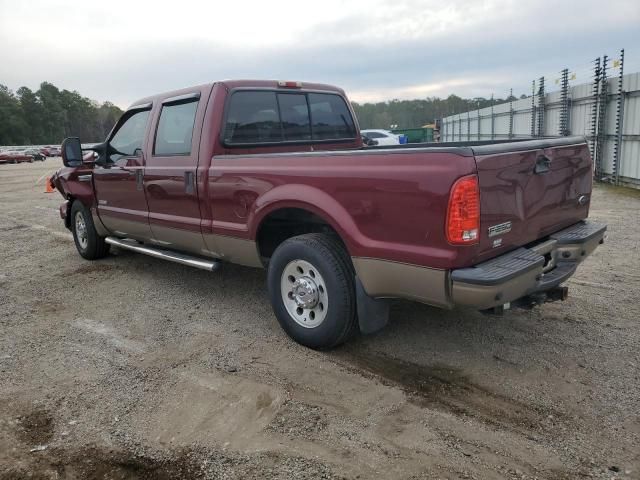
{"points": [[311, 286], [90, 245]]}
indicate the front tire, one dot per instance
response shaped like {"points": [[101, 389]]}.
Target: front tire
{"points": [[312, 291], [90, 245]]}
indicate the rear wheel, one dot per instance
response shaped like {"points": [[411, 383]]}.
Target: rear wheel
{"points": [[90, 245], [311, 286]]}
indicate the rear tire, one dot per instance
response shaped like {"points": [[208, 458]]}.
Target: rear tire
{"points": [[90, 245], [312, 290]]}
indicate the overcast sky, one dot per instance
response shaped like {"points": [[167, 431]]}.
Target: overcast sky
{"points": [[377, 50]]}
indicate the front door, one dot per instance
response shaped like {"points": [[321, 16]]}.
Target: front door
{"points": [[118, 183]]}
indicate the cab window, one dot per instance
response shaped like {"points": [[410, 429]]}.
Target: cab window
{"points": [[268, 117], [253, 118], [129, 138], [330, 117], [175, 129], [294, 115]]}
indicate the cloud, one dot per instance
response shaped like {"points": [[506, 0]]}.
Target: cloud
{"points": [[376, 50]]}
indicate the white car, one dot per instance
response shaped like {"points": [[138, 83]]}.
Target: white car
{"points": [[383, 137]]}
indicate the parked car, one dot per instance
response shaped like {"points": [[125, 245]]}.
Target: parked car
{"points": [[36, 154], [50, 151], [15, 156], [383, 137], [274, 175], [368, 142]]}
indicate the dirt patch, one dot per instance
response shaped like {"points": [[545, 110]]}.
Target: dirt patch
{"points": [[95, 463], [36, 427], [47, 307], [447, 388], [91, 268], [299, 419]]}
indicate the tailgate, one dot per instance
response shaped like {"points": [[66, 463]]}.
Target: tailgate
{"points": [[531, 189]]}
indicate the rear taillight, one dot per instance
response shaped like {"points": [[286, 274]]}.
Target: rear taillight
{"points": [[463, 212]]}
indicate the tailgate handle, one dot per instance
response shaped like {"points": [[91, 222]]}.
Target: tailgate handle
{"points": [[543, 165]]}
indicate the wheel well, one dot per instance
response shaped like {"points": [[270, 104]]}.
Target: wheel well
{"points": [[285, 223]]}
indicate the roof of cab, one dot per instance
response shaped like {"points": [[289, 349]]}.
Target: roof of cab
{"points": [[230, 84]]}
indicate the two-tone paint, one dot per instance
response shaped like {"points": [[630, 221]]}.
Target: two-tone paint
{"points": [[388, 205]]}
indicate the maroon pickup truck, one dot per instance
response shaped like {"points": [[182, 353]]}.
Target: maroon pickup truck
{"points": [[274, 175]]}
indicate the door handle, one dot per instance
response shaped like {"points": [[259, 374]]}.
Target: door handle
{"points": [[189, 182], [139, 179], [543, 165]]}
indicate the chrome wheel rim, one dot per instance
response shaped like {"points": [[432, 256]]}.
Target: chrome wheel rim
{"points": [[304, 293], [81, 230]]}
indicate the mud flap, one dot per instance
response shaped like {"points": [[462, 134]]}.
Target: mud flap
{"points": [[373, 313]]}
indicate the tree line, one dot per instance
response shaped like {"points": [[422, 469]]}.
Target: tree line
{"points": [[49, 114], [415, 113]]}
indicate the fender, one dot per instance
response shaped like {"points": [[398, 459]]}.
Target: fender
{"points": [[315, 201], [77, 184]]}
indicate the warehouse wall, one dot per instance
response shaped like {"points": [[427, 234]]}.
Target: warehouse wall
{"points": [[494, 123]]}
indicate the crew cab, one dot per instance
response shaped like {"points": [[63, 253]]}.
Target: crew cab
{"points": [[274, 175]]}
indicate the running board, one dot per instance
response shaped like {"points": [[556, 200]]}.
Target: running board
{"points": [[204, 264]]}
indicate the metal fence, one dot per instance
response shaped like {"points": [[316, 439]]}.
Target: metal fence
{"points": [[606, 111]]}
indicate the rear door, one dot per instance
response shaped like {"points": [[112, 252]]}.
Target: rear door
{"points": [[122, 206], [170, 176], [527, 193]]}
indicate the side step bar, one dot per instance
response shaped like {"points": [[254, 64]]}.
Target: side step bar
{"points": [[202, 263]]}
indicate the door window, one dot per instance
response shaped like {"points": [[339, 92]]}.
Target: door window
{"points": [[175, 129], [128, 140]]}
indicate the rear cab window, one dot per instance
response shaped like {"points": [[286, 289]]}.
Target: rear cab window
{"points": [[264, 117]]}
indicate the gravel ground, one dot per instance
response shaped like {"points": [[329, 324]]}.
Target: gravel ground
{"points": [[131, 367]]}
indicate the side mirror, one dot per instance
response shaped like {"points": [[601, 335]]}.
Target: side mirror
{"points": [[71, 152]]}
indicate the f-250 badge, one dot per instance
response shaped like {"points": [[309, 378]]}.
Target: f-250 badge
{"points": [[499, 229]]}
